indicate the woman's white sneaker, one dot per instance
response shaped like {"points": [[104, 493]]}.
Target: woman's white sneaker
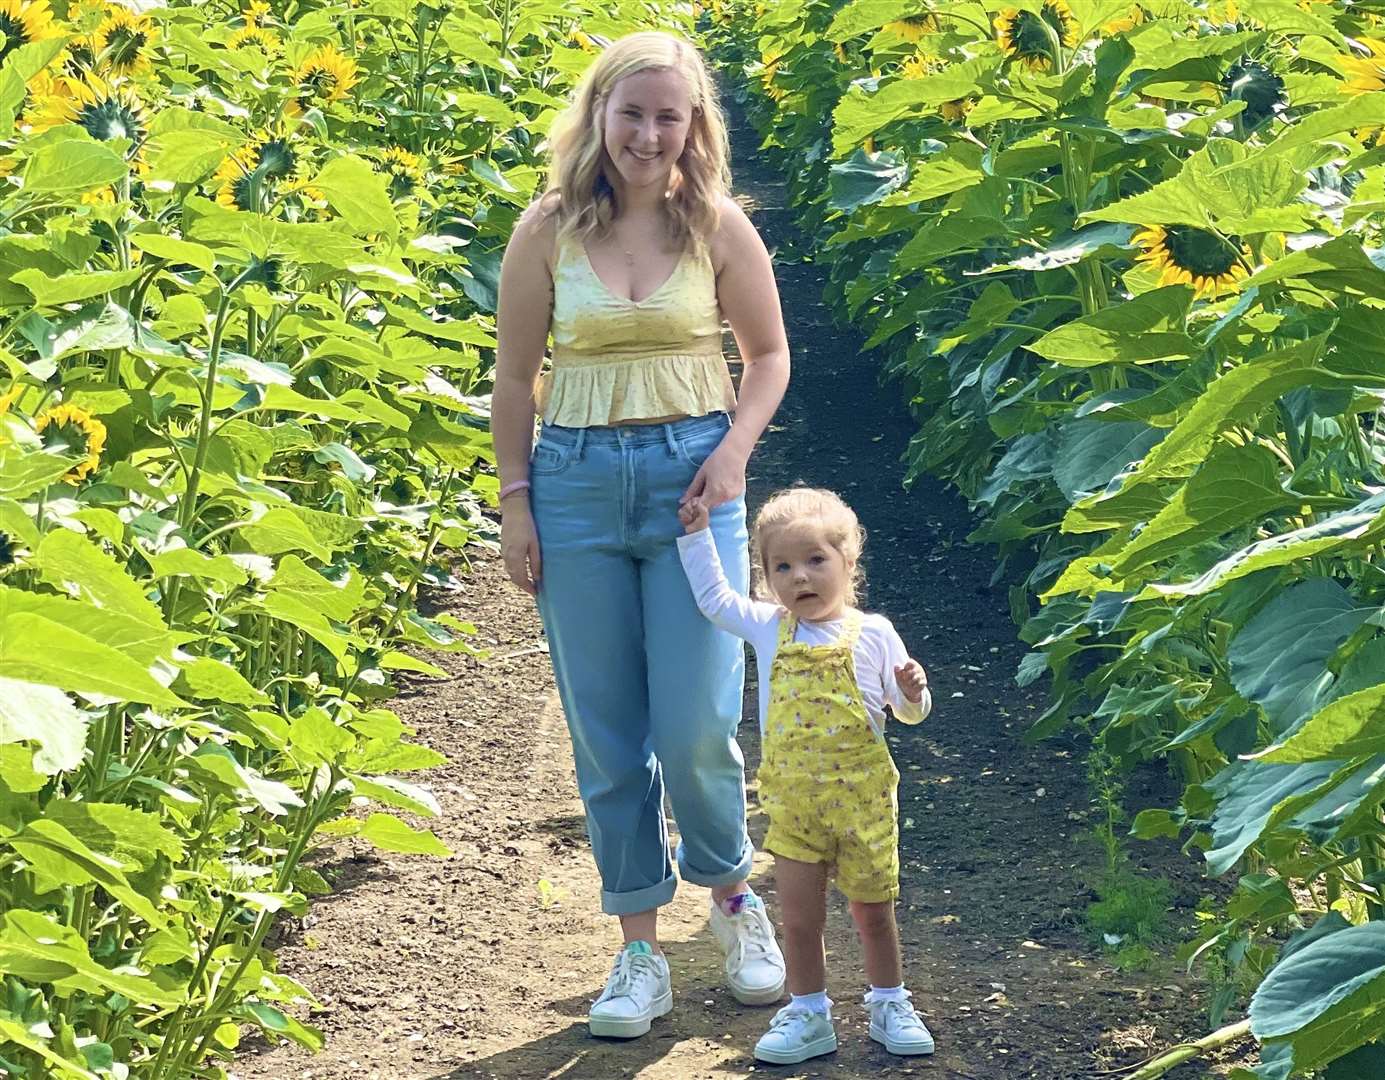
{"points": [[637, 991], [895, 1023], [796, 1034], [754, 965]]}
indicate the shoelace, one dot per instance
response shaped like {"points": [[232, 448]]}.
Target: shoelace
{"points": [[629, 970], [790, 1017], [902, 1013], [750, 927]]}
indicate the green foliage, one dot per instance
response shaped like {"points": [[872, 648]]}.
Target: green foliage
{"points": [[1127, 269]]}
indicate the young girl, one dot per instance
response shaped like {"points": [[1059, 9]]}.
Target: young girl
{"points": [[827, 782]]}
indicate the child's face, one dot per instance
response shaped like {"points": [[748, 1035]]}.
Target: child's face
{"points": [[808, 575]]}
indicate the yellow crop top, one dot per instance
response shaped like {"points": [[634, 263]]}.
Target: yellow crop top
{"points": [[616, 359]]}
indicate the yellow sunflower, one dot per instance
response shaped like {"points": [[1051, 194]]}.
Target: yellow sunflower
{"points": [[1024, 35], [1365, 74], [1131, 19], [105, 111], [1186, 255], [839, 51], [326, 76], [9, 397], [71, 430], [405, 171], [914, 27], [956, 111], [244, 178], [255, 36], [583, 41], [122, 43], [23, 22], [254, 12], [919, 65]]}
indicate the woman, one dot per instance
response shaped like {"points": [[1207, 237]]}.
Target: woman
{"points": [[630, 261]]}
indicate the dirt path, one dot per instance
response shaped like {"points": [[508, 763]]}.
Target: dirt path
{"points": [[483, 965]]}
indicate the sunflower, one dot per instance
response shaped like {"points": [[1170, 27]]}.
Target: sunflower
{"points": [[23, 22], [9, 550], [956, 111], [583, 41], [839, 51], [105, 111], [9, 397], [405, 171], [248, 171], [121, 44], [325, 76], [254, 12], [914, 27], [255, 37], [919, 65], [1187, 255], [1024, 35], [1131, 19], [71, 430], [1365, 73], [1259, 87]]}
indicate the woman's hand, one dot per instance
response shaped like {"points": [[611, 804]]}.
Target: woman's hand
{"points": [[721, 478], [519, 544]]}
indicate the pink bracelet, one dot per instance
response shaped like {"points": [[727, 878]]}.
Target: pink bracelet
{"points": [[513, 486]]}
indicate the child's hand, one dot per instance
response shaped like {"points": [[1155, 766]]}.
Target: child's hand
{"points": [[912, 680], [694, 515]]}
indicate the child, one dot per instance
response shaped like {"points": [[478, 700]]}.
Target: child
{"points": [[827, 782]]}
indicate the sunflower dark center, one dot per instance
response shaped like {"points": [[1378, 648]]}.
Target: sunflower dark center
{"points": [[7, 546], [14, 34], [1199, 251], [109, 119]]}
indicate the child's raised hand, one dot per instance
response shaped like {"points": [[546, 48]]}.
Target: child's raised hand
{"points": [[694, 515], [912, 680]]}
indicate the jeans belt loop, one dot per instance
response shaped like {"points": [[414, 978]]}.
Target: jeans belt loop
{"points": [[670, 440], [579, 444]]}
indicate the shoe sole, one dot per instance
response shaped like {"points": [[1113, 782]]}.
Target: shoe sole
{"points": [[902, 1049], [630, 1027], [826, 1045], [756, 997]]}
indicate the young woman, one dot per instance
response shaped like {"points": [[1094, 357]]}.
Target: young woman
{"points": [[630, 263]]}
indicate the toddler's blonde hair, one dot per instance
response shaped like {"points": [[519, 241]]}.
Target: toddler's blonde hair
{"points": [[586, 201], [792, 505]]}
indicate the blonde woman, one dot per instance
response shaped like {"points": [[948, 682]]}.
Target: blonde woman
{"points": [[629, 263]]}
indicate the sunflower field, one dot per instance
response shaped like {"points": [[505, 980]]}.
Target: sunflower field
{"points": [[1125, 260], [248, 262]]}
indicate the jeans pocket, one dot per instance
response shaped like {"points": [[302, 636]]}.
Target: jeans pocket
{"points": [[696, 449], [549, 459]]}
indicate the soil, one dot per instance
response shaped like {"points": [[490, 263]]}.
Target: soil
{"points": [[483, 965]]}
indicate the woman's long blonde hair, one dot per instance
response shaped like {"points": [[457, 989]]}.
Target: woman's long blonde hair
{"points": [[701, 176]]}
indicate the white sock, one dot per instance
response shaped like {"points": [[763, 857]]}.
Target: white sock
{"points": [[818, 1003], [888, 993]]}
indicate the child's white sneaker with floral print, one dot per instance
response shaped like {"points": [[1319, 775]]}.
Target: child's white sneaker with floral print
{"points": [[894, 1022], [796, 1034], [637, 991], [754, 964]]}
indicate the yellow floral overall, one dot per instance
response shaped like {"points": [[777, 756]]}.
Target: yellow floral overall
{"points": [[827, 781]]}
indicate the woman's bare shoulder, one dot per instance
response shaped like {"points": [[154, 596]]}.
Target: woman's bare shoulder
{"points": [[536, 231], [735, 234]]}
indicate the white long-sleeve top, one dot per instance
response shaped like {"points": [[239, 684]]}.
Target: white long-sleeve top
{"points": [[877, 653]]}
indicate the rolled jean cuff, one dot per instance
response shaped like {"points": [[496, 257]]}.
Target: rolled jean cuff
{"points": [[638, 900], [739, 872]]}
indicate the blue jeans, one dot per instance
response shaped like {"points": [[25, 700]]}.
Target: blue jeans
{"points": [[651, 689]]}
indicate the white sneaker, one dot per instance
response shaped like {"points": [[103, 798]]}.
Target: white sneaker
{"points": [[899, 1026], [637, 991], [754, 965], [795, 1035]]}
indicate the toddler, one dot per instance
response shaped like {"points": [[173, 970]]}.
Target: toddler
{"points": [[827, 782]]}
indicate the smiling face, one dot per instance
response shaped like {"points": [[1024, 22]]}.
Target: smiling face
{"points": [[809, 576], [646, 119]]}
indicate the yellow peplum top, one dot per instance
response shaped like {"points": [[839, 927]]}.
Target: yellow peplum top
{"points": [[617, 359]]}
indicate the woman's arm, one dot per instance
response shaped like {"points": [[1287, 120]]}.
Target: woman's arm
{"points": [[526, 304], [749, 299]]}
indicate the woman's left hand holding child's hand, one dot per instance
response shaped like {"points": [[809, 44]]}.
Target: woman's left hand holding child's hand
{"points": [[721, 478], [912, 680], [694, 515]]}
